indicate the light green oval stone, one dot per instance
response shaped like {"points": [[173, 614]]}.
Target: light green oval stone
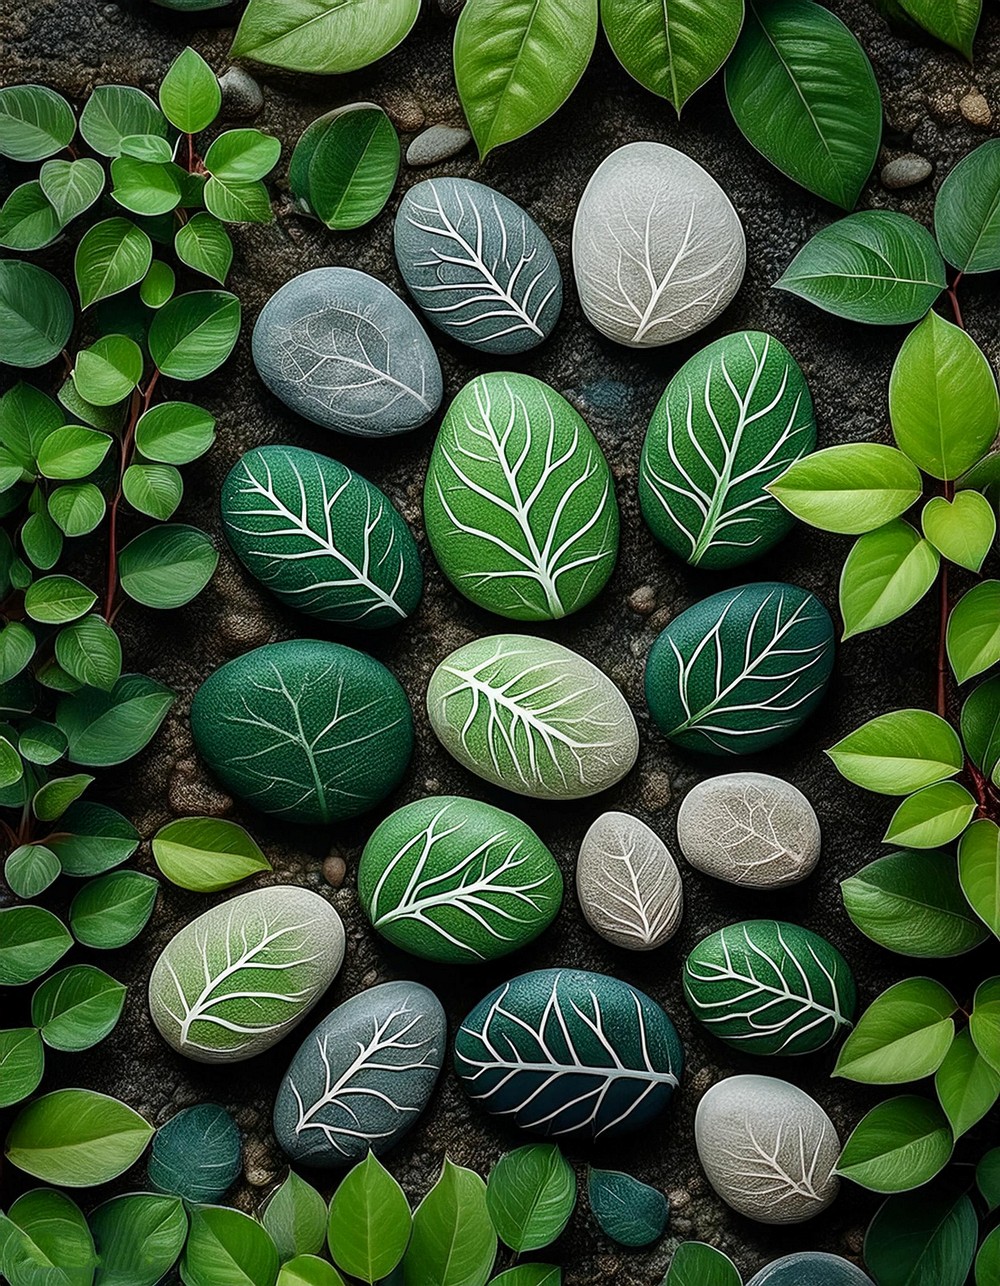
{"points": [[733, 418], [304, 730], [321, 537], [532, 716], [456, 879], [236, 980], [519, 504]]}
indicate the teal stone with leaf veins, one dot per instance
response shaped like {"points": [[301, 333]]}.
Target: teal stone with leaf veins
{"points": [[321, 537], [732, 420], [305, 730], [519, 504], [742, 670]]}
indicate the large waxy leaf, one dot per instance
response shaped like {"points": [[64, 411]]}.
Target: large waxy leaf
{"points": [[695, 1263], [981, 728], [35, 122], [851, 488], [924, 1238], [138, 1238], [206, 854], [967, 211], [530, 1195], [732, 420], [878, 267], [77, 1138], [973, 635], [44, 1241], [967, 1086], [453, 1242], [353, 167], [803, 92], [954, 23], [902, 1036], [899, 752], [979, 871], [369, 1226], [36, 314], [329, 36], [22, 1062], [886, 573], [227, 1248], [106, 728], [77, 1007], [898, 1145]]}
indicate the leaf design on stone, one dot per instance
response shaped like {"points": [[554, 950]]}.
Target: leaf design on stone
{"points": [[629, 886], [732, 420]]}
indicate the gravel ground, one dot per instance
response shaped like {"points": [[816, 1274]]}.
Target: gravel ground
{"points": [[78, 45]]}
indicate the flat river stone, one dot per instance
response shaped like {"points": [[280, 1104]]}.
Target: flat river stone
{"points": [[237, 979], [304, 730], [810, 1268], [321, 537], [751, 829], [742, 670], [569, 1055], [530, 715], [340, 349], [457, 880], [479, 267], [628, 884], [519, 504], [658, 250], [768, 1149], [361, 1079]]}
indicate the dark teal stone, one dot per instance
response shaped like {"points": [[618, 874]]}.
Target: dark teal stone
{"points": [[811, 1268], [196, 1155], [629, 1212]]}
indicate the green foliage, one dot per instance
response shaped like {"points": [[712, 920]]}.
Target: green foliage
{"points": [[904, 1035], [852, 488], [77, 1007], [899, 1145], [322, 35], [962, 529], [887, 572], [345, 166], [22, 1062], [954, 23], [979, 871], [530, 1196], [138, 1238], [76, 1138], [984, 1022], [112, 909], [967, 1087], [36, 314], [973, 635], [923, 1239], [696, 1264], [166, 567], [192, 335], [900, 752], [44, 1238], [967, 211], [204, 245], [369, 1226], [931, 817], [453, 1242], [629, 1212], [31, 941], [35, 122], [206, 854], [227, 1248], [190, 97], [296, 1218]]}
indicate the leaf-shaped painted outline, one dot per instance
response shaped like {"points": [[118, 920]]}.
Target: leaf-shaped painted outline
{"points": [[751, 818], [641, 898]]}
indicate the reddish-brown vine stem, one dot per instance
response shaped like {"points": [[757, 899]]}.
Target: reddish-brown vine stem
{"points": [[139, 405]]}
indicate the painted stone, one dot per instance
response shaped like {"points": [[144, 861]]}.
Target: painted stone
{"points": [[810, 1268], [321, 537], [237, 979], [479, 267], [768, 1149], [519, 505], [304, 730], [742, 670], [629, 1212], [569, 1054], [340, 349], [732, 419], [438, 143], [533, 717], [628, 884], [196, 1154], [457, 880], [767, 987], [658, 250], [751, 829], [361, 1079]]}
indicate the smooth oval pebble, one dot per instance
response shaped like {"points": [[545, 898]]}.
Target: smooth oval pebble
{"points": [[456, 879], [628, 884], [742, 670], [530, 715], [767, 1148], [361, 1079], [768, 987], [906, 172], [197, 1154], [751, 829], [569, 1055], [340, 349], [519, 503], [321, 537], [304, 730], [658, 250], [437, 143], [810, 1268], [237, 979], [479, 267]]}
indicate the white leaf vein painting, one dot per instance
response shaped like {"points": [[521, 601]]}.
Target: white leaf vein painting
{"points": [[629, 886]]}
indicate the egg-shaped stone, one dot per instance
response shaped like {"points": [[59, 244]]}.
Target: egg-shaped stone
{"points": [[569, 1055], [533, 717], [768, 1149], [340, 349], [810, 1268], [362, 1078], [321, 537], [457, 880], [237, 979], [304, 730], [628, 883], [658, 250]]}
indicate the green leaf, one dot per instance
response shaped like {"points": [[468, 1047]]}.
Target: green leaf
{"points": [[36, 314], [530, 1196], [27, 220], [984, 1024], [107, 372], [42, 539], [113, 909], [988, 1179], [979, 871], [194, 334], [204, 245], [988, 1260], [878, 267], [30, 869], [138, 1238], [967, 1087], [167, 567], [106, 728], [899, 752], [887, 572], [227, 1248], [114, 112], [92, 839], [153, 489], [72, 186], [932, 817], [967, 211], [898, 1145], [158, 285], [27, 417], [77, 508], [206, 854], [308, 1270], [631, 1213], [238, 202], [44, 1241], [296, 1217], [242, 155], [369, 1226], [923, 1239], [851, 488], [903, 1035], [52, 799], [912, 903], [353, 167], [11, 768], [55, 600], [943, 399], [190, 96], [529, 1275], [22, 1062], [453, 1242], [77, 1007], [112, 256], [174, 432], [147, 147], [35, 121], [72, 451], [695, 1263], [973, 634], [962, 530], [322, 35], [109, 418], [517, 61], [145, 187], [77, 1138], [954, 23], [41, 743], [17, 647], [90, 651]]}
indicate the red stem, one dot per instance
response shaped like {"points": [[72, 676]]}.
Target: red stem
{"points": [[953, 297], [140, 404]]}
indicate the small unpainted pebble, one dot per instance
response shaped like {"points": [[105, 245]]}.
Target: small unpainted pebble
{"points": [[241, 95], [906, 171], [656, 791], [976, 109], [642, 600], [334, 870], [437, 144], [404, 111]]}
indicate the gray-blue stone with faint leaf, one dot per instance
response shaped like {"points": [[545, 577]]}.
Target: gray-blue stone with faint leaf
{"points": [[342, 350], [478, 265], [811, 1268], [361, 1079], [197, 1154]]}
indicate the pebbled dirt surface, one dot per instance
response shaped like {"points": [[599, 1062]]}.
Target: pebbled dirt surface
{"points": [[74, 46]]}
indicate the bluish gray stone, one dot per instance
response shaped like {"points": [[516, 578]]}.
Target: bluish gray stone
{"points": [[437, 144], [811, 1268], [342, 350]]}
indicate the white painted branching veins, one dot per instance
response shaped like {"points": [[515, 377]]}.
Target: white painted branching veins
{"points": [[629, 886]]}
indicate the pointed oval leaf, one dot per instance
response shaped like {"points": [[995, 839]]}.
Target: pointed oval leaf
{"points": [[695, 1263], [77, 1007], [31, 941], [114, 112], [851, 488], [138, 1238], [309, 1270], [932, 817], [35, 121], [158, 284], [530, 1195], [197, 1154], [77, 1138], [899, 752], [899, 1145], [22, 1062], [107, 371], [967, 211], [984, 1024], [631, 1213], [323, 35], [193, 334], [227, 1248], [453, 1241], [887, 572], [166, 567], [954, 24], [190, 96], [112, 909], [204, 244], [296, 1218], [112, 256], [967, 1087], [72, 186], [981, 728], [36, 314], [153, 489], [962, 529], [106, 728], [91, 652], [973, 634], [44, 1240], [206, 854], [27, 219], [30, 869], [924, 1238], [369, 1224], [902, 1036], [979, 871], [353, 168], [94, 838], [174, 432]]}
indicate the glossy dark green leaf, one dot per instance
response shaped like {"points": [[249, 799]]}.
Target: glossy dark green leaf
{"points": [[322, 35], [166, 567], [353, 167], [30, 869], [953, 23], [22, 1062], [113, 909], [77, 508], [40, 742], [77, 1007], [138, 1238], [899, 1145], [227, 1248], [923, 1239], [53, 798], [36, 314], [77, 1138], [35, 122], [112, 256], [988, 1179], [93, 838], [984, 1022], [190, 96], [57, 599], [967, 211], [45, 1241], [41, 538], [106, 728], [194, 334], [17, 647], [695, 1263], [197, 1154], [296, 1218], [90, 651], [530, 1196], [369, 1225], [157, 287], [31, 941]]}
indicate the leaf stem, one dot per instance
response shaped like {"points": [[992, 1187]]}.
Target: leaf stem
{"points": [[956, 308], [140, 404]]}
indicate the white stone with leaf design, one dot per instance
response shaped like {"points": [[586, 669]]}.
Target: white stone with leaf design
{"points": [[628, 884]]}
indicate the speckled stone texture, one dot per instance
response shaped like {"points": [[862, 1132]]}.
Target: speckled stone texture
{"points": [[74, 46]]}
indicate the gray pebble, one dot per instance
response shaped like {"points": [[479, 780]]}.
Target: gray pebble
{"points": [[906, 172], [241, 95], [437, 144], [628, 884]]}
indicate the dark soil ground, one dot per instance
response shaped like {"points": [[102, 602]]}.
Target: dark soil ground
{"points": [[76, 45]]}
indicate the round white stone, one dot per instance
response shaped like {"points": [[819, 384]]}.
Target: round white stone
{"points": [[628, 884]]}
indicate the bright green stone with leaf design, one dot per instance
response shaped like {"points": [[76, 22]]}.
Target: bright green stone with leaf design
{"points": [[519, 504], [731, 421]]}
